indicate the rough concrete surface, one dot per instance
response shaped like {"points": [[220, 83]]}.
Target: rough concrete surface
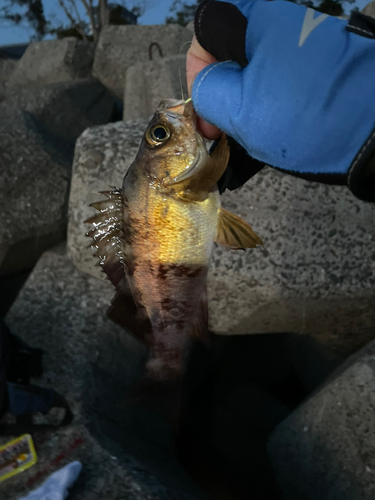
{"points": [[65, 109], [315, 274], [146, 84], [127, 450], [34, 183], [190, 26], [38, 129], [53, 61], [120, 47], [369, 9], [7, 67], [326, 448]]}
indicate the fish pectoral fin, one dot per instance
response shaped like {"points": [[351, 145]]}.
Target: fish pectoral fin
{"points": [[206, 170], [124, 312], [200, 324], [218, 160], [234, 232]]}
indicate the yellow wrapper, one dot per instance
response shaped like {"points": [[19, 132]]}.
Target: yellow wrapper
{"points": [[17, 456]]}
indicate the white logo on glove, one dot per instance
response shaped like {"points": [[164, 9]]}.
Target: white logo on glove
{"points": [[309, 24]]}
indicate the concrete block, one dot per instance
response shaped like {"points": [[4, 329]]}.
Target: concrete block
{"points": [[369, 9], [326, 448], [34, 186], [146, 84], [53, 61], [314, 276], [121, 47], [7, 66], [65, 109], [38, 128], [190, 27]]}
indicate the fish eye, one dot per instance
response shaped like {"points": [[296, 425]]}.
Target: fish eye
{"points": [[157, 134]]}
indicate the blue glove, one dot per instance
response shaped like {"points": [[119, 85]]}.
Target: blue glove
{"points": [[294, 87]]}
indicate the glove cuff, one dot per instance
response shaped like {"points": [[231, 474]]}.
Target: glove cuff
{"points": [[220, 28], [360, 177], [241, 167]]}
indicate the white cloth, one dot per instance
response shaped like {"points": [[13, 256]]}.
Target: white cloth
{"points": [[56, 486]]}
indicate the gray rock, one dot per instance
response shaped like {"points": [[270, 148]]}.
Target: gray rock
{"points": [[53, 61], [146, 84], [325, 449], [34, 183], [65, 109], [126, 450], [38, 128], [120, 47], [369, 9], [314, 276], [316, 272], [190, 26], [7, 67]]}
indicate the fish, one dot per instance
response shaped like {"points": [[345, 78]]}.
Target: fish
{"points": [[154, 236]]}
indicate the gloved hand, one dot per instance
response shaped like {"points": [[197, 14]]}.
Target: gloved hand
{"points": [[294, 87]]}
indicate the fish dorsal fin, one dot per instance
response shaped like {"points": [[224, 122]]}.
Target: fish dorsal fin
{"points": [[204, 173], [106, 234], [234, 232], [106, 231]]}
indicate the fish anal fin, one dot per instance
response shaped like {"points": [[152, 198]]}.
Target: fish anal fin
{"points": [[234, 232], [124, 312], [200, 324], [114, 269]]}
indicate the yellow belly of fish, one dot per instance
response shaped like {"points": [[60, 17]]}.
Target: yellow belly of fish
{"points": [[180, 232]]}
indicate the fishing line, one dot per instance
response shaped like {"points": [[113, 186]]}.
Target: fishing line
{"points": [[179, 68]]}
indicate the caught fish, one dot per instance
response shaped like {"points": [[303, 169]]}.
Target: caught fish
{"points": [[154, 236]]}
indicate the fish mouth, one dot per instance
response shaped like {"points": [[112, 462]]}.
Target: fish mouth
{"points": [[178, 107]]}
